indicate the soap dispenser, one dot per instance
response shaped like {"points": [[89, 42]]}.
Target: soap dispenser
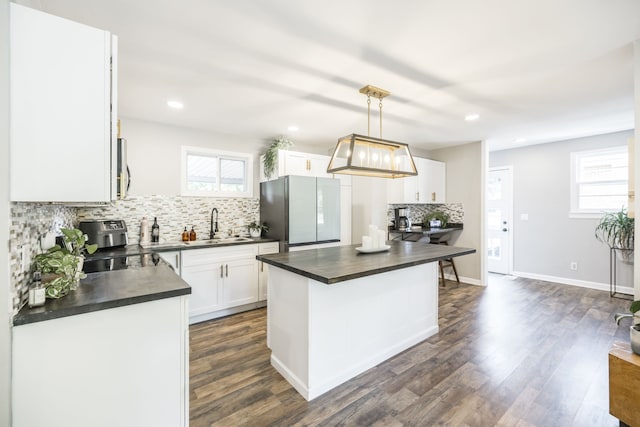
{"points": [[192, 234], [185, 235]]}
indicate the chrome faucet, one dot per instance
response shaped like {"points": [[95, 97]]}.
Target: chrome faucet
{"points": [[214, 229]]}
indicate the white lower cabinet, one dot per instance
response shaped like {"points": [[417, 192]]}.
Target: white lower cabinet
{"points": [[125, 366], [223, 279], [263, 249]]}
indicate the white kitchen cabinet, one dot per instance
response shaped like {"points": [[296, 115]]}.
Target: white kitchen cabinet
{"points": [[173, 259], [220, 279], [263, 249], [63, 105], [427, 187], [435, 173], [298, 163], [124, 366]]}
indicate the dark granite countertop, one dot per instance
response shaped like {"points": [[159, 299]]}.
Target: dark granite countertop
{"points": [[167, 247], [427, 230], [109, 289], [337, 264]]}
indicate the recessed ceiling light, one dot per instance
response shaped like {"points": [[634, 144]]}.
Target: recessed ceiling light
{"points": [[175, 104], [471, 117], [293, 128], [520, 140]]}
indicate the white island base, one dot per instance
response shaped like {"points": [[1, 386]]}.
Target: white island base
{"points": [[323, 335]]}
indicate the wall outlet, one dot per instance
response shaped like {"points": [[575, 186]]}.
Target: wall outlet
{"points": [[574, 266], [25, 258]]}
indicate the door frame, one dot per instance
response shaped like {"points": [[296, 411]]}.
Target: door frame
{"points": [[509, 169]]}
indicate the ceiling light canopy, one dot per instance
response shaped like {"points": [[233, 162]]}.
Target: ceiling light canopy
{"points": [[368, 156]]}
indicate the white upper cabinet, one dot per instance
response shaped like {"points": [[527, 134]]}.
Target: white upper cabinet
{"points": [[427, 187], [297, 163], [62, 109]]}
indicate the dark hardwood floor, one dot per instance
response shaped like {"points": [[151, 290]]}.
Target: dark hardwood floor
{"points": [[516, 353]]}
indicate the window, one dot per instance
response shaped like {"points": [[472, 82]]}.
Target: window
{"points": [[216, 173], [599, 181]]}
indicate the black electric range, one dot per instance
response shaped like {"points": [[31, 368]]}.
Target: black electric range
{"points": [[149, 260]]}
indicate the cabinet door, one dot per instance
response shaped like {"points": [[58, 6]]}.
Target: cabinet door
{"points": [[403, 190], [296, 164], [263, 269], [60, 97], [240, 282], [435, 173], [173, 259], [302, 209], [206, 287]]}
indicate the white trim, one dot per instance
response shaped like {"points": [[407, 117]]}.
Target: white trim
{"points": [[466, 280], [510, 219], [246, 157], [573, 282], [574, 211]]}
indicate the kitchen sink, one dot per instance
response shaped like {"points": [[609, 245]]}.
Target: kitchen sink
{"points": [[218, 241]]}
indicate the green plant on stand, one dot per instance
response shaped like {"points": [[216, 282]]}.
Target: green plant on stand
{"points": [[61, 267], [616, 229], [271, 155]]}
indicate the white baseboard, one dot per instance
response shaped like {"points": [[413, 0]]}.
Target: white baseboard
{"points": [[467, 280], [573, 282]]}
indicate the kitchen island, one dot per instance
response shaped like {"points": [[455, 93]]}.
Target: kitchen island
{"points": [[333, 313]]}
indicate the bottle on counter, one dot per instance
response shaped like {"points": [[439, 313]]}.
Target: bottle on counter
{"points": [[185, 235], [144, 230], [37, 293], [155, 231], [192, 234]]}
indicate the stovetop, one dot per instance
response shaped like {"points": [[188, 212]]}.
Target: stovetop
{"points": [[122, 263]]}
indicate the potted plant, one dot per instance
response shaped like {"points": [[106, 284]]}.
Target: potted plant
{"points": [[440, 216], [634, 331], [255, 229], [616, 229], [61, 267], [271, 156]]}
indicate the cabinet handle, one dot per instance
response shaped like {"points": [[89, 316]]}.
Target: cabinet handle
{"points": [[261, 266], [178, 261], [226, 267], [418, 196], [433, 196], [221, 271]]}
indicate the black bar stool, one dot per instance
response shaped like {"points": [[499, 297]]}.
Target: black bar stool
{"points": [[447, 262]]}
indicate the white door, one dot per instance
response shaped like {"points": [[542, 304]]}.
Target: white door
{"points": [[499, 220]]}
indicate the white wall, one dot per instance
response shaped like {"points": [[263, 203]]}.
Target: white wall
{"points": [[154, 153], [368, 206], [5, 328], [464, 185], [546, 243]]}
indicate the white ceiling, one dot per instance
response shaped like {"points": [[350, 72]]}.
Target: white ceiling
{"points": [[543, 70]]}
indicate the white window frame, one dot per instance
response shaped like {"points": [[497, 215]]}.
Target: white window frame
{"points": [[200, 151], [575, 211]]}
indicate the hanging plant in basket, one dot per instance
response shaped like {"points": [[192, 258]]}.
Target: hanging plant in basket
{"points": [[271, 156], [616, 229]]}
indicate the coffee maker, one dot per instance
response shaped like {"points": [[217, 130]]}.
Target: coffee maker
{"points": [[402, 222]]}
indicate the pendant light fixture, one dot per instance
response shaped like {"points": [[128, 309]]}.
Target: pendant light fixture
{"points": [[368, 156]]}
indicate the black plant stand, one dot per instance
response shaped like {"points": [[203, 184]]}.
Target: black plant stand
{"points": [[613, 274]]}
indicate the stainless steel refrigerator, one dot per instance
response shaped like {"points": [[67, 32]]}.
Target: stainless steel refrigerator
{"points": [[301, 210]]}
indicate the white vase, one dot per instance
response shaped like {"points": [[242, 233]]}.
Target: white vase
{"points": [[255, 232], [79, 268]]}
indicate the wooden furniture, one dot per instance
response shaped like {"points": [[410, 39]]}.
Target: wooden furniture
{"points": [[624, 384]]}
